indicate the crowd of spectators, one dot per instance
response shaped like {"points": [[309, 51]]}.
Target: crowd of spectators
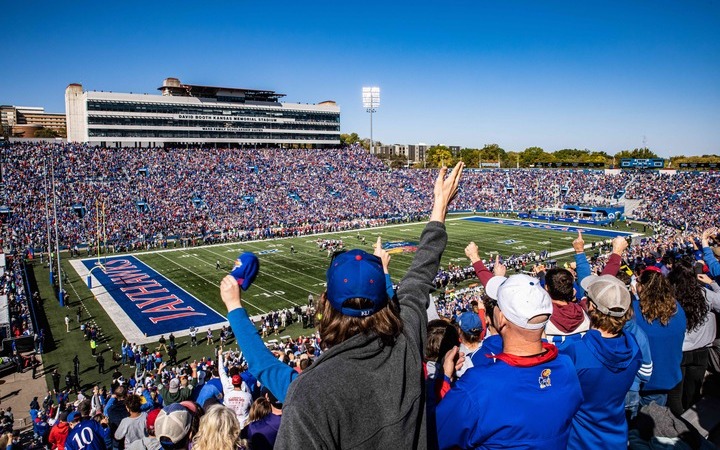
{"points": [[668, 199], [148, 394], [229, 400], [156, 197], [12, 285], [131, 412]]}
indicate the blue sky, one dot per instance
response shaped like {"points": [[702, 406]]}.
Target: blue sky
{"points": [[602, 75]]}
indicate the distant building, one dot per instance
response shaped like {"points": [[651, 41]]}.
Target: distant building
{"points": [[413, 153], [24, 121], [188, 114]]}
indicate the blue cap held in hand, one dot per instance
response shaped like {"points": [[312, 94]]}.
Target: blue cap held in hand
{"points": [[356, 274], [246, 269]]}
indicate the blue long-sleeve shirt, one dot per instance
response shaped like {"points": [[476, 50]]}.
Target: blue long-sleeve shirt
{"points": [[264, 366], [645, 372], [582, 268], [712, 263]]}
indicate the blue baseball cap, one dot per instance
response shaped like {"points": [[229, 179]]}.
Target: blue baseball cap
{"points": [[470, 323], [246, 269], [356, 274]]}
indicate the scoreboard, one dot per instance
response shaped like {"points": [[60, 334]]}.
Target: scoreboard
{"points": [[569, 165], [635, 163]]}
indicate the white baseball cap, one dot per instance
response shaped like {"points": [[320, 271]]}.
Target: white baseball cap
{"points": [[521, 298]]}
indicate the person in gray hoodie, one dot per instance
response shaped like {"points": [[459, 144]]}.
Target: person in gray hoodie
{"points": [[366, 389]]}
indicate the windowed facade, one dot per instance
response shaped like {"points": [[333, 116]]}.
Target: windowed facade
{"points": [[114, 119]]}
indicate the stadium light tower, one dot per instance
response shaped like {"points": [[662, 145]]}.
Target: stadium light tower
{"points": [[371, 101]]}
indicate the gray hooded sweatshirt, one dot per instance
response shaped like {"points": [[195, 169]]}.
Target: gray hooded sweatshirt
{"points": [[361, 395]]}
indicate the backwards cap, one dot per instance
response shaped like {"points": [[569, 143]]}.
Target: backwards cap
{"points": [[520, 298], [173, 422], [609, 295], [470, 323], [356, 274]]}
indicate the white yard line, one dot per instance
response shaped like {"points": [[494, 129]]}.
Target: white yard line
{"points": [[267, 260], [207, 281], [261, 288]]}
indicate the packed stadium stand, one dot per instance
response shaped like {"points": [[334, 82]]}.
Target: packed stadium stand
{"points": [[149, 197], [139, 198]]}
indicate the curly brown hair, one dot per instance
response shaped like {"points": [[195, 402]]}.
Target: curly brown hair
{"points": [[657, 299], [690, 293]]}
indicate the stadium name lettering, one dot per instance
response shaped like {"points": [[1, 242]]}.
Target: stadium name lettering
{"points": [[150, 296], [233, 130], [227, 118]]}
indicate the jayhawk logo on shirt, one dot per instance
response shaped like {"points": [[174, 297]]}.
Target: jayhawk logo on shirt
{"points": [[544, 379]]}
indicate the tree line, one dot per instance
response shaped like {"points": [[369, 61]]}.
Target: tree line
{"points": [[491, 154]]}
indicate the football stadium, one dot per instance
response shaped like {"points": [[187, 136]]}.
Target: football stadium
{"points": [[144, 248], [202, 266]]}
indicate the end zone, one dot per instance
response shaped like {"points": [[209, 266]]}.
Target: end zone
{"points": [[143, 303]]}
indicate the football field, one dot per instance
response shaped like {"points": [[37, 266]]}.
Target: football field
{"points": [[151, 293], [160, 291]]}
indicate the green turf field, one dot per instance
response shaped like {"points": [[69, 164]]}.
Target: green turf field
{"points": [[285, 279]]}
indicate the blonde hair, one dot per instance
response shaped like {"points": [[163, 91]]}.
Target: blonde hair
{"points": [[219, 429]]}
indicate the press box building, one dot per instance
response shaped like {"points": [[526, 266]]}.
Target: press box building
{"points": [[187, 114]]}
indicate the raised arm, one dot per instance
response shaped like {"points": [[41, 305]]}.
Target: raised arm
{"points": [[619, 244], [262, 364], [482, 272], [712, 294], [224, 379], [414, 291], [582, 267], [385, 259], [708, 255]]}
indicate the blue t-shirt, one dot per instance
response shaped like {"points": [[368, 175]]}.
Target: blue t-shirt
{"points": [[490, 346], [262, 433], [564, 341], [208, 390]]}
